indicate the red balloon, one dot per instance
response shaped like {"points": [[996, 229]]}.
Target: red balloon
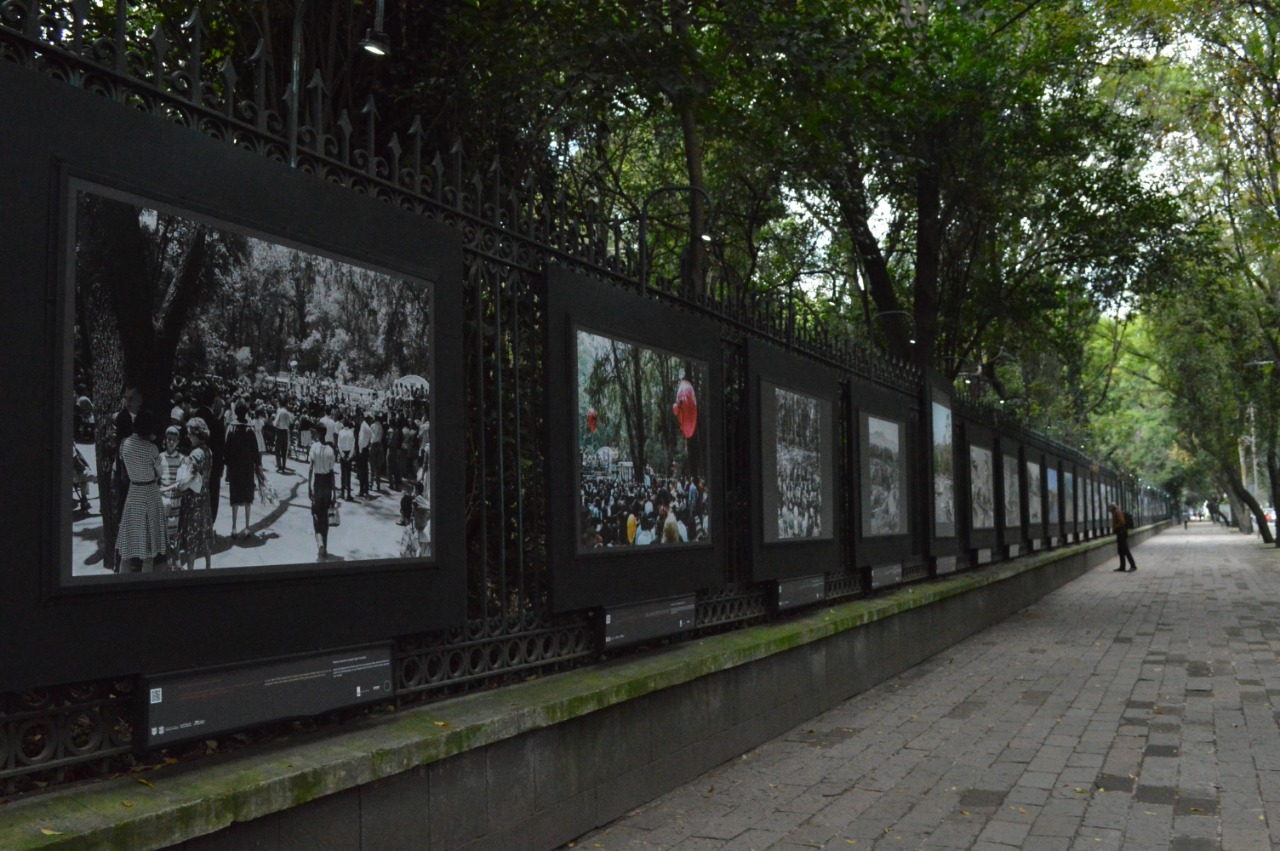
{"points": [[686, 408], [591, 420]]}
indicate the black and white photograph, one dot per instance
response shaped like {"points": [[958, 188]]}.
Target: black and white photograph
{"points": [[797, 448], [240, 403], [884, 486], [1012, 493], [642, 446], [1034, 512], [982, 486], [944, 481], [1052, 493]]}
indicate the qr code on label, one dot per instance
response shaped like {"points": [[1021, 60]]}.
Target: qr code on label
{"points": [[157, 695]]}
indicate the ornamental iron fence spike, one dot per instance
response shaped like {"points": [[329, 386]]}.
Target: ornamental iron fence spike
{"points": [[229, 79], [437, 164], [370, 109], [458, 157], [31, 26], [121, 36], [259, 60], [415, 133], [477, 192], [79, 13], [160, 43], [394, 170], [195, 23], [495, 176], [345, 129], [318, 91]]}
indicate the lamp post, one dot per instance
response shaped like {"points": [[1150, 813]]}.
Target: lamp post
{"points": [[375, 42], [911, 339], [644, 224]]}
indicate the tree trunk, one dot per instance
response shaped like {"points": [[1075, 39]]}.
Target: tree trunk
{"points": [[1245, 506]]}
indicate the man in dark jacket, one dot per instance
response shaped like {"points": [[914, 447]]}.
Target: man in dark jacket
{"points": [[1120, 525]]}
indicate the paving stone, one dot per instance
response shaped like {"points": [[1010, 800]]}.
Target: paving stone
{"points": [[1106, 716]]}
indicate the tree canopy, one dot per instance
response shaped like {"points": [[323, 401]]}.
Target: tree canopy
{"points": [[1041, 202]]}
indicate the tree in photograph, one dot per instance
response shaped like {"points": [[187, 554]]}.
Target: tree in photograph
{"points": [[142, 279]]}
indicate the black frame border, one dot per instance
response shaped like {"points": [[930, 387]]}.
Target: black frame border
{"points": [[619, 577]]}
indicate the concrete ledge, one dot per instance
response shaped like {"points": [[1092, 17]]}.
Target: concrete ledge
{"points": [[534, 765]]}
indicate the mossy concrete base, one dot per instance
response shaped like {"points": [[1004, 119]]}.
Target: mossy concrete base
{"points": [[534, 765]]}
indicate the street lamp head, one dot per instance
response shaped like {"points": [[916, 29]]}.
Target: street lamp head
{"points": [[376, 42], [375, 39]]}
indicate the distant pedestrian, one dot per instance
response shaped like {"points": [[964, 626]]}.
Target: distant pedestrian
{"points": [[1120, 522]]}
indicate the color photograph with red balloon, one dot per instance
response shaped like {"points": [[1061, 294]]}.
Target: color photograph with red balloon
{"points": [[642, 447]]}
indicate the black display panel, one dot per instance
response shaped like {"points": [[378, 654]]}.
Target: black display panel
{"points": [[282, 398], [944, 467], [1011, 491], [635, 454], [794, 404], [198, 704], [217, 198], [982, 489], [885, 479], [884, 431], [637, 622]]}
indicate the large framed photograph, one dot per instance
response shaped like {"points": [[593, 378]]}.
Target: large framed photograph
{"points": [[1053, 496], [944, 476], [1069, 499], [642, 446], [798, 498], [884, 488], [241, 403], [793, 407], [982, 487], [1035, 505], [635, 450], [1012, 491]]}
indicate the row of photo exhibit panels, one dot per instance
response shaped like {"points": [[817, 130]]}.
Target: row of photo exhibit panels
{"points": [[1002, 495], [838, 471]]}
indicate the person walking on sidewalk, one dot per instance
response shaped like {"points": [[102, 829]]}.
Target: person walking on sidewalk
{"points": [[1120, 525]]}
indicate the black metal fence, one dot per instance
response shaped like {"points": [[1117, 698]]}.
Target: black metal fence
{"points": [[513, 233]]}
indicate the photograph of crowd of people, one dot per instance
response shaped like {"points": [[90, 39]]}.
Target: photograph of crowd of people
{"points": [[797, 461], [884, 489], [642, 446], [944, 487], [1012, 493], [240, 403], [1034, 513], [982, 487]]}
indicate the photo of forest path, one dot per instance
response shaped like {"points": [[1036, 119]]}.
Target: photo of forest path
{"points": [[642, 446], [884, 509], [239, 402]]}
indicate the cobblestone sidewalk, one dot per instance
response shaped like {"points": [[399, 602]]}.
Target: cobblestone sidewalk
{"points": [[1124, 711]]}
